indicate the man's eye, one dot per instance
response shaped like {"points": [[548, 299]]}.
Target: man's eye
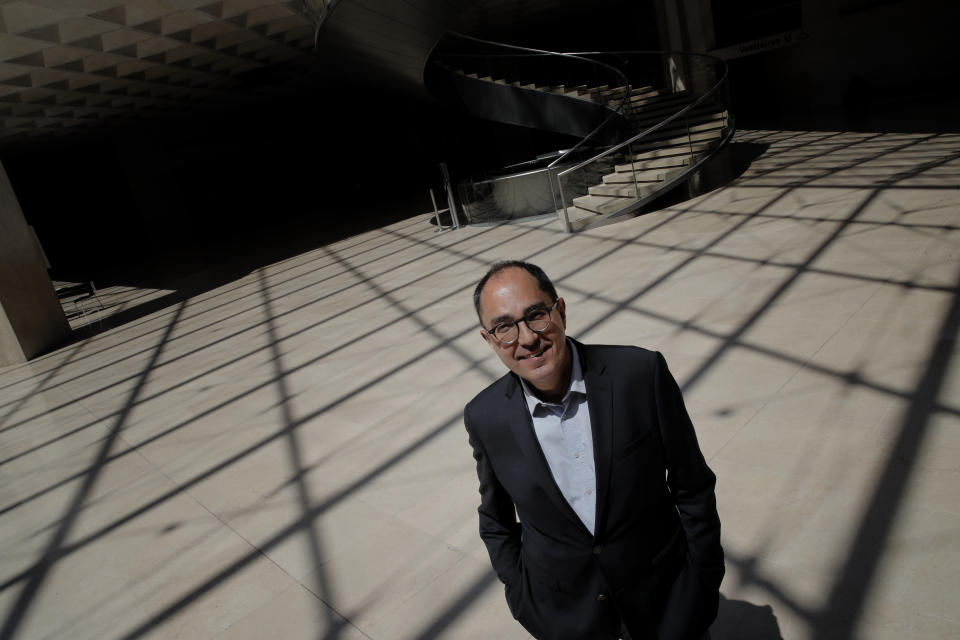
{"points": [[539, 314]]}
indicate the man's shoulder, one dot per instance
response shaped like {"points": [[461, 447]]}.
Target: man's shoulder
{"points": [[493, 394], [619, 355]]}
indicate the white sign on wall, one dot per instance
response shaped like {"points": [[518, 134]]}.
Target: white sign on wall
{"points": [[760, 44]]}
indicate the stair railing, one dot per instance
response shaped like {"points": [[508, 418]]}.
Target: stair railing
{"points": [[526, 188], [681, 80], [571, 172]]}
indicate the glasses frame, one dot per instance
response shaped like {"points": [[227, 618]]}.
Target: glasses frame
{"points": [[516, 323]]}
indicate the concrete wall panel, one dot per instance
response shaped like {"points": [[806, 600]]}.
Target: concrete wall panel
{"points": [[31, 318]]}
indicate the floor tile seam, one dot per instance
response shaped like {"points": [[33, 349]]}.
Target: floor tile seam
{"points": [[412, 594], [189, 494], [295, 585], [254, 547], [953, 621], [463, 555]]}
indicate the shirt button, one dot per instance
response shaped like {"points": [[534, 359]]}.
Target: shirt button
{"points": [[589, 491], [576, 455], [601, 597], [597, 549]]}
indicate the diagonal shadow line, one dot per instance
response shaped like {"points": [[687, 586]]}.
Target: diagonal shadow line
{"points": [[696, 254], [55, 549], [343, 398], [801, 160], [383, 294], [735, 336], [853, 163], [749, 575], [458, 607], [772, 262], [41, 385], [618, 245], [242, 454], [334, 622], [832, 153], [773, 153], [184, 382], [195, 302], [849, 377], [324, 409], [305, 521], [211, 310], [239, 332], [20, 503], [847, 186], [256, 387], [845, 603]]}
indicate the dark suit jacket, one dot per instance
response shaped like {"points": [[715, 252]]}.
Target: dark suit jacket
{"points": [[655, 560]]}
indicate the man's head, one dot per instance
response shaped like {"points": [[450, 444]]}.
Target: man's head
{"points": [[510, 298]]}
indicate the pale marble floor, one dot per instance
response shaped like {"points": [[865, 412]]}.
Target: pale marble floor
{"points": [[283, 457]]}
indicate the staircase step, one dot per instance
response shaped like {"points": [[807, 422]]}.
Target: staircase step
{"points": [[617, 177], [664, 98], [686, 119], [660, 112], [681, 149], [705, 136], [675, 133], [656, 163], [580, 218], [602, 204], [617, 92], [623, 190]]}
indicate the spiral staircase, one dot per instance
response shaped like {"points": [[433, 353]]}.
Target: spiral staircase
{"points": [[632, 125], [644, 123]]}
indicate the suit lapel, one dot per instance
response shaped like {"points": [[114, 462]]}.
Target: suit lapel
{"points": [[599, 399], [526, 437]]}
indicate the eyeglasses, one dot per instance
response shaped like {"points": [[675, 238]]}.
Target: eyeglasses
{"points": [[506, 333]]}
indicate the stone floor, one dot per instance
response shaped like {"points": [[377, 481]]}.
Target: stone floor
{"points": [[283, 456]]}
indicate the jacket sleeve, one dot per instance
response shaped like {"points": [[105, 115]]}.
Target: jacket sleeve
{"points": [[499, 528], [690, 480]]}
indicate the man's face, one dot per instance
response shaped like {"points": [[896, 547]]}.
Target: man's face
{"points": [[542, 359]]}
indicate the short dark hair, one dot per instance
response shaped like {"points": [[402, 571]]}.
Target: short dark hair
{"points": [[543, 282]]}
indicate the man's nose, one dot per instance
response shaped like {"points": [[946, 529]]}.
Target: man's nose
{"points": [[526, 334]]}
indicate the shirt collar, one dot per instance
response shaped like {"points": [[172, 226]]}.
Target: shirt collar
{"points": [[577, 385]]}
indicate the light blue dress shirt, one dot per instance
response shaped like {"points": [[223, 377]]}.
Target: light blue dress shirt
{"points": [[566, 439]]}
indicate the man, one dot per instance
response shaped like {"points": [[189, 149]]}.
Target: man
{"points": [[591, 446]]}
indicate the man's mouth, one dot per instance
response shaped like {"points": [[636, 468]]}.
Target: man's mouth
{"points": [[536, 354]]}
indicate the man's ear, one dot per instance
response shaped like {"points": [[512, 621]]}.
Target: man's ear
{"points": [[486, 337], [562, 309]]}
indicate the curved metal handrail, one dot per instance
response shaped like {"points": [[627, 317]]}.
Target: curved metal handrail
{"points": [[660, 124], [318, 14], [544, 53]]}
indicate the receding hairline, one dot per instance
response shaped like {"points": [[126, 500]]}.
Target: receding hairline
{"points": [[542, 281]]}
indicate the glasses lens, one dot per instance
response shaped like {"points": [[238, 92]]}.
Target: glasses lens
{"points": [[506, 332], [538, 320]]}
